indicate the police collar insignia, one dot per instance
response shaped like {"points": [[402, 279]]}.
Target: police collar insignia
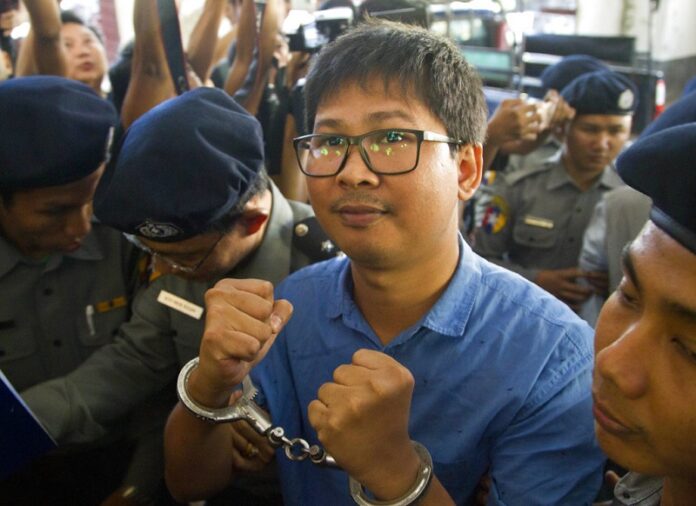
{"points": [[153, 230], [625, 100]]}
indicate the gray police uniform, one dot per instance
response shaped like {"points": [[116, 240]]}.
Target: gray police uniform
{"points": [[547, 150], [159, 338], [58, 310], [617, 220], [534, 219], [635, 489]]}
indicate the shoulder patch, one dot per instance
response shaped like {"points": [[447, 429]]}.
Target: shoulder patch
{"points": [[310, 239], [495, 215], [489, 177]]}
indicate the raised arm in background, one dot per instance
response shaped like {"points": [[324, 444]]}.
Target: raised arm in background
{"points": [[203, 40], [42, 51]]}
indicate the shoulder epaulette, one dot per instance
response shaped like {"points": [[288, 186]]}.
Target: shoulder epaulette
{"points": [[516, 176], [309, 238]]}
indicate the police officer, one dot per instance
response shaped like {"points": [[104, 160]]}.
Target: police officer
{"points": [[553, 79], [532, 220], [645, 349], [66, 283], [68, 280], [189, 187], [621, 214], [523, 133]]}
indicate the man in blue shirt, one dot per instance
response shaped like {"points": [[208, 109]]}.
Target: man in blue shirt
{"points": [[412, 337]]}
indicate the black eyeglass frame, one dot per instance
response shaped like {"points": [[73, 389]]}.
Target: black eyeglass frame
{"points": [[171, 263], [356, 140]]}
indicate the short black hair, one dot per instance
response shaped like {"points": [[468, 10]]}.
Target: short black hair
{"points": [[257, 187], [427, 65], [73, 17]]}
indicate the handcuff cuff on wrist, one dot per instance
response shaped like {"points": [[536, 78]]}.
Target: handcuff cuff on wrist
{"points": [[296, 449]]}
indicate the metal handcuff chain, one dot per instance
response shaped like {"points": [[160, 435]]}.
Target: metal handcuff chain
{"points": [[296, 449]]}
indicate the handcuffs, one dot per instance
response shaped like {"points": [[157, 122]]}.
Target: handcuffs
{"points": [[296, 449]]}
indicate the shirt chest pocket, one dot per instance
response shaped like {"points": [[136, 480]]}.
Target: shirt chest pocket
{"points": [[16, 340], [535, 236], [99, 323]]}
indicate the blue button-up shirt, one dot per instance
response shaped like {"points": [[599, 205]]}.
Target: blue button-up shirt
{"points": [[502, 371]]}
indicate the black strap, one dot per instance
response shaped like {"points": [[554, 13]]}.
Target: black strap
{"points": [[171, 40]]}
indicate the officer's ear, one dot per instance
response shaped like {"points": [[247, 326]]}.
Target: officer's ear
{"points": [[470, 165], [253, 220]]}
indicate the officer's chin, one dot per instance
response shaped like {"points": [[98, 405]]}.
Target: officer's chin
{"points": [[195, 276]]}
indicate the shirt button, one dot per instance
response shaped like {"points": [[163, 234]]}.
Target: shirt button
{"points": [[626, 494], [48, 291]]}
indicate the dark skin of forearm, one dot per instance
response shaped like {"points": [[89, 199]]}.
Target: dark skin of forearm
{"points": [[246, 40], [267, 42], [44, 43], [195, 471], [203, 40], [151, 81]]}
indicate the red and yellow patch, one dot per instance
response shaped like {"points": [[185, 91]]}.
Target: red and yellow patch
{"points": [[495, 217]]}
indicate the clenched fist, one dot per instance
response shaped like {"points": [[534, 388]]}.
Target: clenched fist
{"points": [[361, 418], [242, 320]]}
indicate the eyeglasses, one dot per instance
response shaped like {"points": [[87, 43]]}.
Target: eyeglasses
{"points": [[171, 263], [389, 151]]}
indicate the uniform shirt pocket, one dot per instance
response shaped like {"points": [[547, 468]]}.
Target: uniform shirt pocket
{"points": [[535, 236], [16, 339], [98, 326]]}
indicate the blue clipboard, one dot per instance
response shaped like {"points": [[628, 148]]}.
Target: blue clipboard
{"points": [[22, 437]]}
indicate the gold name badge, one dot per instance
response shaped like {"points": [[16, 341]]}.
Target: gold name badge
{"points": [[535, 221]]}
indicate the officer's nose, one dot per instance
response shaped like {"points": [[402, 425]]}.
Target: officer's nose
{"points": [[625, 364], [604, 140], [79, 222]]}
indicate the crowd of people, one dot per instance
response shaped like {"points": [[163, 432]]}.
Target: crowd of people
{"points": [[448, 305]]}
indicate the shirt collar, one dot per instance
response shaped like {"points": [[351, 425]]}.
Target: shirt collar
{"points": [[449, 315], [10, 255], [639, 490], [270, 261], [559, 176], [90, 248]]}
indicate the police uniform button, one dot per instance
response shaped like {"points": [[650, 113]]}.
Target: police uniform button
{"points": [[301, 230]]}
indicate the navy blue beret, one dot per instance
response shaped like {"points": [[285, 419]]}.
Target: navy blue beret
{"points": [[602, 92], [560, 74], [680, 112], [662, 167], [181, 167], [53, 131]]}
